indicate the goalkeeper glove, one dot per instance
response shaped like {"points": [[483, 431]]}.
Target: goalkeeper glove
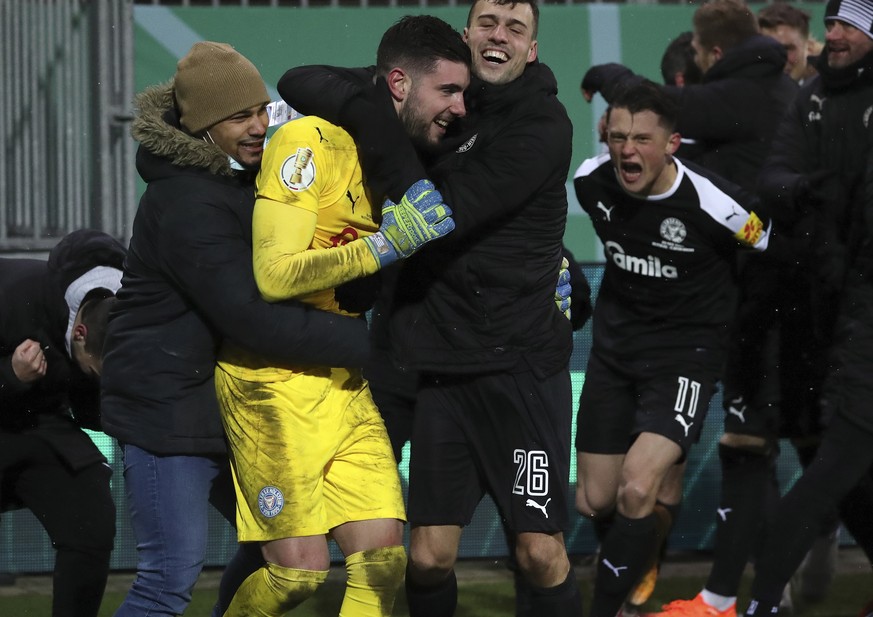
{"points": [[421, 216], [563, 289]]}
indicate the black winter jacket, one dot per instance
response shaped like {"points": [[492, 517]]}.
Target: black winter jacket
{"points": [[733, 114], [819, 153], [814, 175], [818, 174], [482, 299], [188, 284], [32, 293]]}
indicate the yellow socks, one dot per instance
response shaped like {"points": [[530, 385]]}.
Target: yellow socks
{"points": [[272, 591], [373, 579]]}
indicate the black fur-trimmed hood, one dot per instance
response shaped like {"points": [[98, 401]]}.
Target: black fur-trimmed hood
{"points": [[156, 127]]}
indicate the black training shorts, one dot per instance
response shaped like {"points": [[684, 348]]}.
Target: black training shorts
{"points": [[667, 393], [505, 434]]}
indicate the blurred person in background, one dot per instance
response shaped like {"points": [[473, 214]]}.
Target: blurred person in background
{"points": [[52, 328]]}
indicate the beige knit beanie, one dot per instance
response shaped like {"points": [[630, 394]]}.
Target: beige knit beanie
{"points": [[213, 82]]}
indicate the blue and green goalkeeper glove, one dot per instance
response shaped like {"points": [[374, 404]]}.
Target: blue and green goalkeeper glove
{"points": [[421, 216], [563, 289]]}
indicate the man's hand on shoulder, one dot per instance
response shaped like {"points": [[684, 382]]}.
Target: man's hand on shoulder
{"points": [[418, 218], [29, 362]]}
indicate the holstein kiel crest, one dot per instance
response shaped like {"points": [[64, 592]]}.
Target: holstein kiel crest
{"points": [[673, 230], [270, 501]]}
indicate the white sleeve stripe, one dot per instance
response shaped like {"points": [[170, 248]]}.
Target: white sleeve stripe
{"points": [[724, 209], [589, 165]]}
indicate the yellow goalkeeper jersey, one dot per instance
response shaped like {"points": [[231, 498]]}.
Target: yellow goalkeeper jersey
{"points": [[311, 205]]}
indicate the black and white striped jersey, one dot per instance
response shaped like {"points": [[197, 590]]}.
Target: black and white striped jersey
{"points": [[670, 277]]}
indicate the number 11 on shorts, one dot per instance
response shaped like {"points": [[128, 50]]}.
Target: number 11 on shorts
{"points": [[686, 387]]}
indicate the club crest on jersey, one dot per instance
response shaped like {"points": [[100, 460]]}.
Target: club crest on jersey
{"points": [[751, 230], [649, 265], [673, 230], [298, 170], [467, 145], [270, 501]]}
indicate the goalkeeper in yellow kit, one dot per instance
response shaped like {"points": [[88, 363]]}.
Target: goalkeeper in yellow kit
{"points": [[310, 454]]}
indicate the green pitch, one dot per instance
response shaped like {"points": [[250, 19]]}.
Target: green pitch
{"points": [[485, 590]]}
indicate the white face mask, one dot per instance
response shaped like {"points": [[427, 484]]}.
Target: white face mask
{"points": [[235, 165]]}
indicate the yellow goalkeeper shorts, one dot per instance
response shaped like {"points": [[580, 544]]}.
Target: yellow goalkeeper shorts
{"points": [[308, 454]]}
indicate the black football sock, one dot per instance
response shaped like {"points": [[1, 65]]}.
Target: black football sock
{"points": [[432, 601], [623, 557], [563, 600], [761, 607], [746, 481]]}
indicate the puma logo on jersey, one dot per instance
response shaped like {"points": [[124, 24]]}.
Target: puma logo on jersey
{"points": [[685, 424], [320, 136], [531, 503], [644, 266], [736, 408], [352, 199], [733, 213], [615, 569], [606, 211], [723, 512]]}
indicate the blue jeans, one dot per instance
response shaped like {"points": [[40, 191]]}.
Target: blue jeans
{"points": [[168, 498]]}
